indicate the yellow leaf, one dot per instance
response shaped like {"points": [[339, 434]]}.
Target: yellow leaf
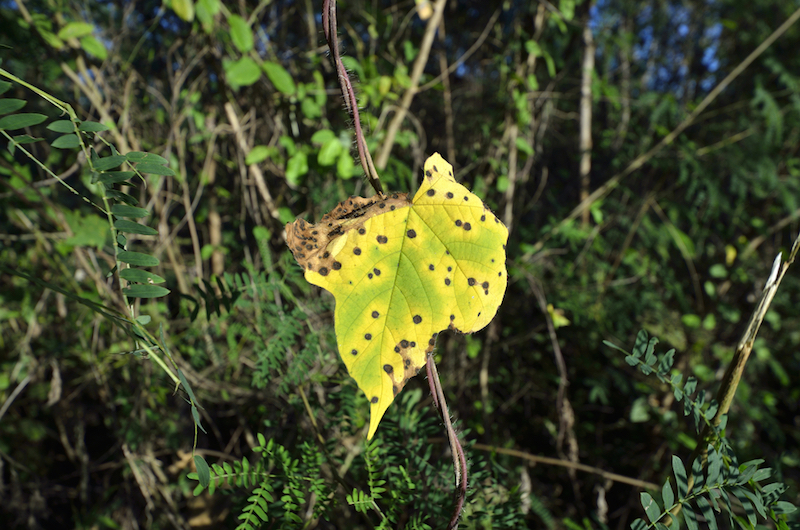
{"points": [[402, 271]]}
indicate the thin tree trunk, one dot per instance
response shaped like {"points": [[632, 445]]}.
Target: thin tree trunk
{"points": [[586, 118]]}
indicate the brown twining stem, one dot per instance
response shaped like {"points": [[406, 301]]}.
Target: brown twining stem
{"points": [[459, 460], [330, 27]]}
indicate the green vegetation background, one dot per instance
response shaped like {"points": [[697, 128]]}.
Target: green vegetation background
{"points": [[242, 101]]}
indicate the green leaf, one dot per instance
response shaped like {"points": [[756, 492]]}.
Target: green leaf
{"points": [[137, 259], [145, 291], [5, 86], [154, 169], [143, 319], [681, 480], [322, 136], [258, 154], [241, 34], [68, 141], [650, 506], [94, 47], [667, 496], [329, 151], [690, 517], [110, 162], [123, 210], [61, 126], [714, 466], [124, 197], [203, 473], [783, 507], [20, 121], [524, 145], [205, 11], [296, 167], [640, 346], [134, 228], [114, 177], [243, 72], [184, 9], [708, 513], [280, 78], [140, 276], [345, 166], [92, 126], [755, 498], [402, 271], [649, 356], [74, 30], [25, 139], [11, 105], [139, 156]]}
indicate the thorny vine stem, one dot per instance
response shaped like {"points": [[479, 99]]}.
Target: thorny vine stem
{"points": [[459, 459], [331, 31]]}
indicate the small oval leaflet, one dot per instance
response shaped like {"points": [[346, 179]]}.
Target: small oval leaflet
{"points": [[401, 272]]}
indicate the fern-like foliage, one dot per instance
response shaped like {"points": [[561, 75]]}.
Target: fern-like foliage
{"points": [[276, 475], [720, 483]]}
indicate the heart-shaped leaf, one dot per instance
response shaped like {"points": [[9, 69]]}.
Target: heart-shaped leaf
{"points": [[402, 271]]}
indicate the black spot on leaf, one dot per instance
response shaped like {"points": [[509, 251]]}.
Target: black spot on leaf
{"points": [[471, 281], [430, 267], [374, 400], [336, 265], [397, 349], [357, 251], [485, 285], [404, 343], [428, 173], [395, 390], [447, 281], [458, 222], [449, 195], [483, 217], [413, 344], [362, 231], [377, 272], [325, 256], [388, 368], [411, 233], [467, 226], [382, 240], [375, 314], [452, 317], [368, 336], [417, 319], [369, 275], [435, 169], [431, 193], [323, 271], [354, 352]]}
